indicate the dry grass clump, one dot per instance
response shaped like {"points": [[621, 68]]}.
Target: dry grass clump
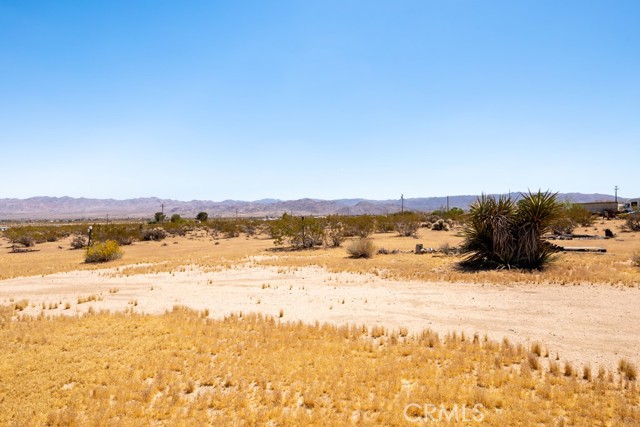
{"points": [[182, 368], [628, 370], [361, 248]]}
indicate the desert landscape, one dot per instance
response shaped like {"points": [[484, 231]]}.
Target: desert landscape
{"points": [[572, 324], [415, 213]]}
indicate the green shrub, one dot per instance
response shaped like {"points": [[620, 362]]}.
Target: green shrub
{"points": [[361, 226], [202, 216], [298, 232], [176, 218], [103, 252], [361, 248], [500, 233]]}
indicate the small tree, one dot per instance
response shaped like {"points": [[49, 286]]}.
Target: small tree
{"points": [[176, 218], [202, 216], [159, 217]]}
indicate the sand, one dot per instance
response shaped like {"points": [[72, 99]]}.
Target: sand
{"points": [[585, 324]]}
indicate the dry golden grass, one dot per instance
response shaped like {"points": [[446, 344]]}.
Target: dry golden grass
{"points": [[184, 369], [614, 267]]}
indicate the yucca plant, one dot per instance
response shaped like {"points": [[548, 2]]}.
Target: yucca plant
{"points": [[500, 233]]}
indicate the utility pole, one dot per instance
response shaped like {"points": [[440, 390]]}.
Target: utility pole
{"points": [[447, 203], [616, 188], [236, 214], [402, 203], [107, 218], [162, 218]]}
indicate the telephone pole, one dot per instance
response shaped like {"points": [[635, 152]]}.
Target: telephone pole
{"points": [[402, 203], [162, 217], [616, 188]]}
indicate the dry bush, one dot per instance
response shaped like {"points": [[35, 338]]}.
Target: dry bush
{"points": [[361, 248], [79, 242], [627, 369], [633, 222], [635, 260], [153, 234], [103, 252]]}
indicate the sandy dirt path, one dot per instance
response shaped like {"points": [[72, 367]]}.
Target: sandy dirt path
{"points": [[589, 323]]}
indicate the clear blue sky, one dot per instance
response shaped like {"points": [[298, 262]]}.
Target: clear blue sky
{"points": [[327, 99]]}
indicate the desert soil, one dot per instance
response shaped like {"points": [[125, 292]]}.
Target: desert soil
{"points": [[584, 324]]}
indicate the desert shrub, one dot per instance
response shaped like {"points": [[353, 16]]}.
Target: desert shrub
{"points": [[407, 223], [298, 232], [578, 214], [79, 242], [632, 222], [334, 231], [635, 260], [153, 234], [30, 235], [454, 214], [571, 216], [627, 370], [25, 240], [563, 225], [250, 227], [176, 218], [500, 233], [226, 227], [440, 225], [103, 252], [384, 223], [124, 234], [159, 217], [202, 216], [360, 226], [361, 248]]}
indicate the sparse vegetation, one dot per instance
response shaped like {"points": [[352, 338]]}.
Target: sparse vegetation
{"points": [[202, 216], [182, 368], [103, 252]]}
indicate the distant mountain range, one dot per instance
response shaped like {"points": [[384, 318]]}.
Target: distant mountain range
{"points": [[38, 208]]}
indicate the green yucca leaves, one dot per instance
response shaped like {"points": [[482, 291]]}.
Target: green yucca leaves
{"points": [[503, 234]]}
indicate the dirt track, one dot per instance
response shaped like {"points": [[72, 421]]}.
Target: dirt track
{"points": [[588, 323]]}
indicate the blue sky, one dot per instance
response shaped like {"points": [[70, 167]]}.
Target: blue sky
{"points": [[328, 99]]}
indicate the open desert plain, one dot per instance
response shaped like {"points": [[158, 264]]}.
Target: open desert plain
{"points": [[240, 331]]}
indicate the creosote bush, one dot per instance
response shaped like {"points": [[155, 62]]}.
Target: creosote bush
{"points": [[103, 252], [361, 248]]}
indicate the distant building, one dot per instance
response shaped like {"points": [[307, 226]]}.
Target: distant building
{"points": [[602, 207]]}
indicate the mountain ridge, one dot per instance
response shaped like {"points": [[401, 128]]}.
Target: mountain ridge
{"points": [[65, 207]]}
